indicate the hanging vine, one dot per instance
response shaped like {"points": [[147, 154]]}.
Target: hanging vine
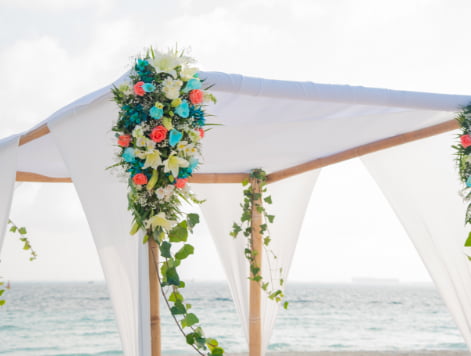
{"points": [[245, 226], [22, 236]]}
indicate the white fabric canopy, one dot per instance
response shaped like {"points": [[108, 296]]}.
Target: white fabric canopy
{"points": [[272, 125], [420, 181]]}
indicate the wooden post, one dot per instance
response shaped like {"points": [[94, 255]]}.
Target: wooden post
{"points": [[154, 287], [255, 321]]}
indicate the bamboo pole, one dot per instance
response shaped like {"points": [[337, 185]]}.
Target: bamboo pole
{"points": [[255, 321], [154, 288]]}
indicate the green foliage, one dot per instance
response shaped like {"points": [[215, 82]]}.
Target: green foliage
{"points": [[21, 232], [245, 227]]}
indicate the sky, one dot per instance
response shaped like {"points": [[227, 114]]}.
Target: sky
{"points": [[53, 52]]}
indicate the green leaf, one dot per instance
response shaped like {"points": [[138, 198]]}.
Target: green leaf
{"points": [[285, 305], [175, 297], [268, 200], [217, 351], [145, 239], [271, 218], [1, 291], [178, 309], [189, 320], [179, 233], [172, 276], [22, 230], [266, 241], [13, 228], [185, 251], [2, 302], [193, 219], [211, 343], [190, 338], [165, 249]]}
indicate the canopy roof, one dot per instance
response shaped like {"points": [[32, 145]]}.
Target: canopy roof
{"points": [[276, 125]]}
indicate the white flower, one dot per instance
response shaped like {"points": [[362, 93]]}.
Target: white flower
{"points": [[173, 164], [161, 194], [187, 73], [138, 132], [152, 159], [171, 88], [165, 63]]}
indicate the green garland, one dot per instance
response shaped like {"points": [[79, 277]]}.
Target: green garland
{"points": [[245, 227], [22, 236], [463, 161]]}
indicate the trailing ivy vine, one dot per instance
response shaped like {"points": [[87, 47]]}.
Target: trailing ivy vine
{"points": [[22, 236], [245, 227]]}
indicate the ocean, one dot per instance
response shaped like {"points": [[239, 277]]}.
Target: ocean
{"points": [[77, 319]]}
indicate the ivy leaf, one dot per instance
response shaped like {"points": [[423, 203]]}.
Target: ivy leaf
{"points": [[22, 230], [2, 302], [266, 241], [193, 219], [175, 297], [179, 233], [268, 200], [1, 291], [285, 305], [468, 241], [211, 343], [185, 251], [178, 309], [190, 338], [13, 228], [165, 249], [217, 351], [172, 276], [189, 320], [271, 218]]}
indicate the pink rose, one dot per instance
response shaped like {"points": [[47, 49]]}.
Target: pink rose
{"points": [[158, 134], [139, 179], [124, 140], [201, 131], [181, 182], [138, 89], [196, 96], [465, 141]]}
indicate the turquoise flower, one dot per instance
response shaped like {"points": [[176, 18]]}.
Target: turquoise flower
{"points": [[183, 110], [156, 113], [148, 87], [193, 163], [194, 83], [128, 155], [174, 137], [468, 182]]}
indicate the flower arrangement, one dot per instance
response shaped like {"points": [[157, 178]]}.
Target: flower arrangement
{"points": [[159, 131], [463, 160]]}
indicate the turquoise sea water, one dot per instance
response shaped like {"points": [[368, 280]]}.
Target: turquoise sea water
{"points": [[77, 319]]}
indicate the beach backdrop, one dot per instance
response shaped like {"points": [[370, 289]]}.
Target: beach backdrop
{"points": [[76, 318]]}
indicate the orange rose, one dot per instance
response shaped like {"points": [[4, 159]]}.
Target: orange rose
{"points": [[138, 90], [196, 96], [139, 179], [158, 134], [201, 131], [465, 141], [181, 182], [124, 140]]}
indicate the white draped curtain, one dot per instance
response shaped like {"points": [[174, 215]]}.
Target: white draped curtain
{"points": [[420, 181], [86, 144], [222, 209], [8, 159]]}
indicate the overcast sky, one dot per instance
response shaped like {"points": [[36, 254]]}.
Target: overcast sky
{"points": [[53, 51]]}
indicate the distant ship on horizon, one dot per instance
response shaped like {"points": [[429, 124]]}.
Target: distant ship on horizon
{"points": [[368, 280]]}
